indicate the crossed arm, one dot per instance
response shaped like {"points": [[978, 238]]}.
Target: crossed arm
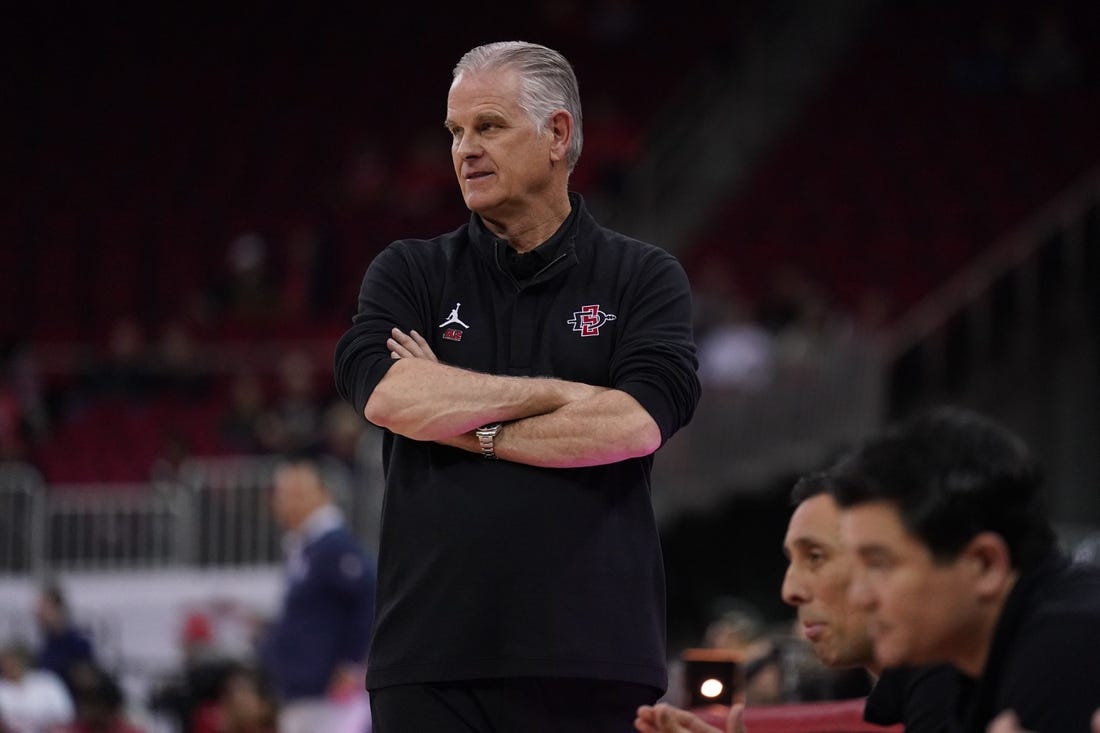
{"points": [[549, 422]]}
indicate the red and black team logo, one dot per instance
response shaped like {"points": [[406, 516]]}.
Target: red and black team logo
{"points": [[589, 320]]}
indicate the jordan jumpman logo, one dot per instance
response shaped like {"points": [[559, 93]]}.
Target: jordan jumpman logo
{"points": [[453, 318]]}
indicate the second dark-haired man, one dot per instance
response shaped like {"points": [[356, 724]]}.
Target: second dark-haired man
{"points": [[958, 563]]}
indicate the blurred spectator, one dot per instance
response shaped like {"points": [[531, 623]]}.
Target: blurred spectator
{"points": [[247, 293], [296, 410], [315, 652], [24, 417], [172, 453], [241, 428], [189, 698], [175, 365], [124, 370], [309, 273], [346, 437], [63, 644], [355, 445], [99, 704], [31, 700], [736, 353], [714, 284], [806, 327], [245, 705]]}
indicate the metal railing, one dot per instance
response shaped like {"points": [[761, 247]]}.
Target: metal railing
{"points": [[21, 517], [217, 514]]}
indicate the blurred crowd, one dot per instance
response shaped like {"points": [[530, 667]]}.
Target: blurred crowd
{"points": [[239, 670]]}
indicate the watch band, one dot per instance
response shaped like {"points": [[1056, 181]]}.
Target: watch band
{"points": [[486, 435]]}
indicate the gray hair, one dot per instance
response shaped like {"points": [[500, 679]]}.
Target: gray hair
{"points": [[547, 83]]}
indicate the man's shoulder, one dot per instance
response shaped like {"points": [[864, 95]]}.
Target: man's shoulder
{"points": [[335, 543], [619, 239], [606, 246], [1067, 595], [1059, 625], [920, 697], [430, 247]]}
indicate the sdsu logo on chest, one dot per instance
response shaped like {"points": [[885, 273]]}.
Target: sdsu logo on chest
{"points": [[589, 320]]}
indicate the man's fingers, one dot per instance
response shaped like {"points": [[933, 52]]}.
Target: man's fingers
{"points": [[643, 722], [1006, 722], [423, 344], [409, 345], [397, 351]]}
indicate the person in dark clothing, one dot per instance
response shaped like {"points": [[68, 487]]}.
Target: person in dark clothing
{"points": [[63, 644], [817, 582], [315, 651], [100, 703], [958, 563], [526, 367]]}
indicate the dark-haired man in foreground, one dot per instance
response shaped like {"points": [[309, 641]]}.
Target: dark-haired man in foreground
{"points": [[958, 563]]}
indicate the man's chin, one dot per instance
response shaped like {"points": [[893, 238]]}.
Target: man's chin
{"points": [[887, 655], [481, 204]]}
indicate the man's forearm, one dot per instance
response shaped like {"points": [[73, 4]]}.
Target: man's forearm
{"points": [[598, 430], [426, 400]]}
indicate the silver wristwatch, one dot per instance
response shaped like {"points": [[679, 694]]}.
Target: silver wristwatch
{"points": [[486, 435]]}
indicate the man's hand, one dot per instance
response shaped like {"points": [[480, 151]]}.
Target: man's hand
{"points": [[409, 345], [664, 718], [1006, 722]]}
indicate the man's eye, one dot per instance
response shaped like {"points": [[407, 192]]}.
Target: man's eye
{"points": [[878, 563]]}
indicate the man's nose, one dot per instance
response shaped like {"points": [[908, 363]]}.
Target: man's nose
{"points": [[467, 146], [794, 590]]}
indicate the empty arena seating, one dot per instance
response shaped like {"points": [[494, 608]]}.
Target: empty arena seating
{"points": [[921, 152]]}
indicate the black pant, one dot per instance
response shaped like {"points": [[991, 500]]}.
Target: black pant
{"points": [[523, 705]]}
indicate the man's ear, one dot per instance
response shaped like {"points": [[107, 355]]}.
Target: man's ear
{"points": [[561, 134], [988, 555]]}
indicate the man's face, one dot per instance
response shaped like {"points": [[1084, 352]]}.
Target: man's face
{"points": [[816, 583], [502, 161], [919, 611], [295, 493]]}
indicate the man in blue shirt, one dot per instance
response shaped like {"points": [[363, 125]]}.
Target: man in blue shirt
{"points": [[63, 644], [315, 651]]}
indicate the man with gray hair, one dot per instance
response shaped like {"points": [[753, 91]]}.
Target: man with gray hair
{"points": [[525, 367]]}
